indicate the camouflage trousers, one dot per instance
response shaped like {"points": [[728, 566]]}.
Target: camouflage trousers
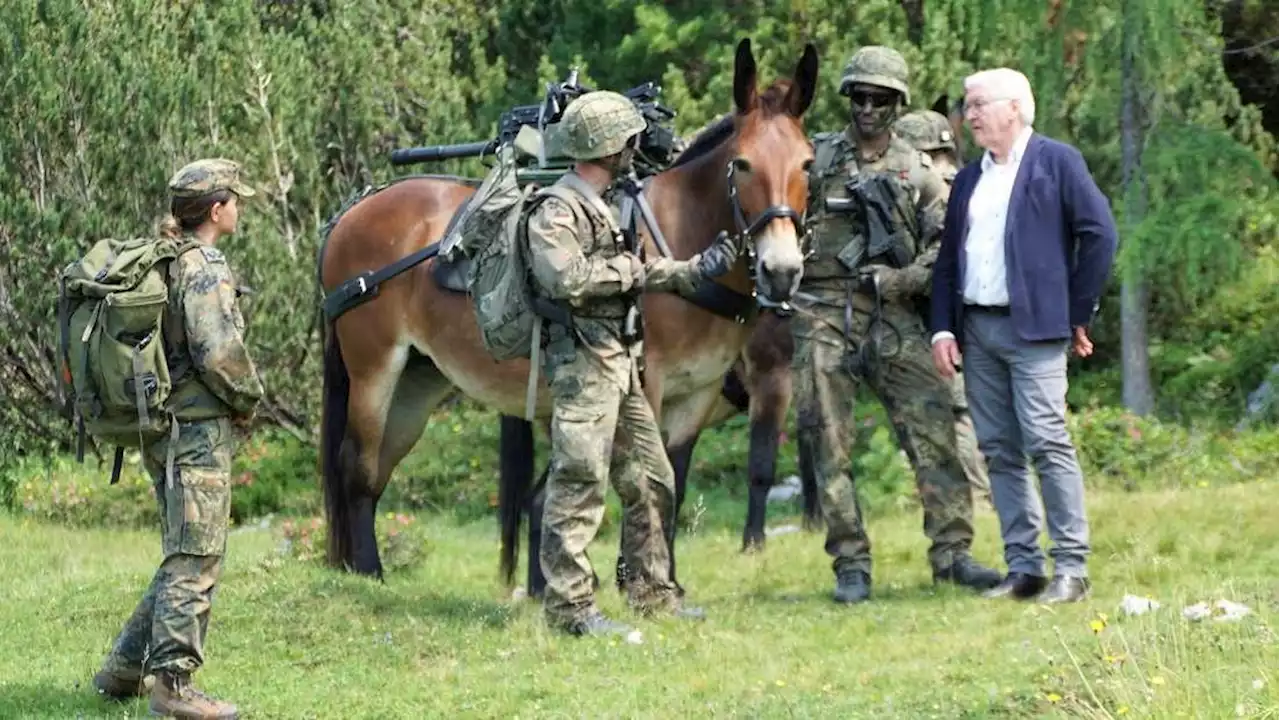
{"points": [[895, 362], [168, 627], [975, 465], [602, 434]]}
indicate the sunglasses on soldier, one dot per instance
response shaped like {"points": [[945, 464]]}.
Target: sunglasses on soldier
{"points": [[876, 98]]}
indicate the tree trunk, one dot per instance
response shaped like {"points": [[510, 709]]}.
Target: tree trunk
{"points": [[914, 10], [1134, 296]]}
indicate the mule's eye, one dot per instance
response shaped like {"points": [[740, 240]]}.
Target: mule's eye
{"points": [[742, 164], [807, 165]]}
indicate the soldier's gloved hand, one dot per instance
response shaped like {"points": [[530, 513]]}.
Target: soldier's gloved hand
{"points": [[631, 268], [899, 283], [719, 258]]}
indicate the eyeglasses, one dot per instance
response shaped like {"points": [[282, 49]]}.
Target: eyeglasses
{"points": [[980, 104]]}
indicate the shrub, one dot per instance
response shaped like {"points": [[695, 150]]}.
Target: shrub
{"points": [[402, 541]]}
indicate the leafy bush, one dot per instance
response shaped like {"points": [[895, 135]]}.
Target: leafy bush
{"points": [[66, 492], [402, 542], [274, 473], [1118, 449]]}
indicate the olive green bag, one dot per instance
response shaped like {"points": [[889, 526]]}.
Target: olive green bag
{"points": [[111, 310]]}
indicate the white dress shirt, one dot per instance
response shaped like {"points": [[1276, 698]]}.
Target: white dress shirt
{"points": [[984, 280]]}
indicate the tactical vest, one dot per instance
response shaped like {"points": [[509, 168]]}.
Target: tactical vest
{"points": [[840, 245], [597, 239]]}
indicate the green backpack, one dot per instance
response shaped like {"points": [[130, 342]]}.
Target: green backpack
{"points": [[111, 309], [490, 232]]}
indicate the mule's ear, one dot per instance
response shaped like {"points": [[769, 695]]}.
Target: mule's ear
{"points": [[805, 82], [942, 105], [744, 77]]}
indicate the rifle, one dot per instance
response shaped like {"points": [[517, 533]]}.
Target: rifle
{"points": [[655, 153], [871, 202]]}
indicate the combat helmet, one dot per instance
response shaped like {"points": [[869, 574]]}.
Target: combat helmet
{"points": [[598, 124], [877, 65], [926, 130]]}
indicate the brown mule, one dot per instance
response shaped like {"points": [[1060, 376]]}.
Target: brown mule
{"points": [[391, 360], [760, 385]]}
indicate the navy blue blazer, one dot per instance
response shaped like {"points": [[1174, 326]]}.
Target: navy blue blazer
{"points": [[1059, 244]]}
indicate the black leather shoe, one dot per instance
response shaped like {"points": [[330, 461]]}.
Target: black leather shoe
{"points": [[1017, 585], [970, 573], [852, 586], [1064, 589]]}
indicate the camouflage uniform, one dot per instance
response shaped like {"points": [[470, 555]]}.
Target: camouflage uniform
{"points": [[930, 132], [840, 341], [602, 427], [215, 381]]}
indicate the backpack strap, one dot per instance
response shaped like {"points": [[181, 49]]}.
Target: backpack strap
{"points": [[574, 182]]}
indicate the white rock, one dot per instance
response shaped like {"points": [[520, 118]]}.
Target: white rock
{"points": [[1229, 611], [635, 637], [1134, 605], [1197, 612], [1222, 611], [788, 489]]}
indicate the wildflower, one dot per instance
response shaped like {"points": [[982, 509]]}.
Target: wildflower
{"points": [[1157, 680], [1053, 697], [1122, 710]]}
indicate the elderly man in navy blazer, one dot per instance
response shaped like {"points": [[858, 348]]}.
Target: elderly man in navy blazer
{"points": [[1026, 250]]}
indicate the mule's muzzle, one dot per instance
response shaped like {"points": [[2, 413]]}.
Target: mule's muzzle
{"points": [[777, 284]]}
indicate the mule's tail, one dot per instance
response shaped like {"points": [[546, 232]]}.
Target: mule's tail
{"points": [[333, 433], [516, 450]]}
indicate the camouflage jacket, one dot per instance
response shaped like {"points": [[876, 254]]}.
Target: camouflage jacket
{"points": [[838, 235], [204, 342], [579, 258]]}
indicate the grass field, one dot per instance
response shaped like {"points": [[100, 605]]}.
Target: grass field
{"points": [[441, 638]]}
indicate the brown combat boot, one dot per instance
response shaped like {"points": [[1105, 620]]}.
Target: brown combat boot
{"points": [[122, 684], [174, 696]]}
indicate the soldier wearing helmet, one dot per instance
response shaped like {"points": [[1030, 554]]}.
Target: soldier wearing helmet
{"points": [[602, 427], [878, 208], [930, 132]]}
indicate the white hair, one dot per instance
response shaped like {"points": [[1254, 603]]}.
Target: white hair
{"points": [[1006, 84]]}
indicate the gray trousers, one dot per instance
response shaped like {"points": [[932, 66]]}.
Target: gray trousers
{"points": [[1017, 393]]}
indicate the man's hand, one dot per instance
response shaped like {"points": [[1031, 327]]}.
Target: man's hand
{"points": [[946, 356], [1080, 343], [719, 258]]}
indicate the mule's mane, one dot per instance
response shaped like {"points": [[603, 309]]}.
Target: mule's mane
{"points": [[706, 141], [771, 102]]}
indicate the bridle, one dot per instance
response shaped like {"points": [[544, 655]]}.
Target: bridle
{"points": [[746, 233]]}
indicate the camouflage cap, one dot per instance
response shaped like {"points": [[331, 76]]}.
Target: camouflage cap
{"points": [[599, 124], [926, 130], [209, 175], [877, 65]]}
